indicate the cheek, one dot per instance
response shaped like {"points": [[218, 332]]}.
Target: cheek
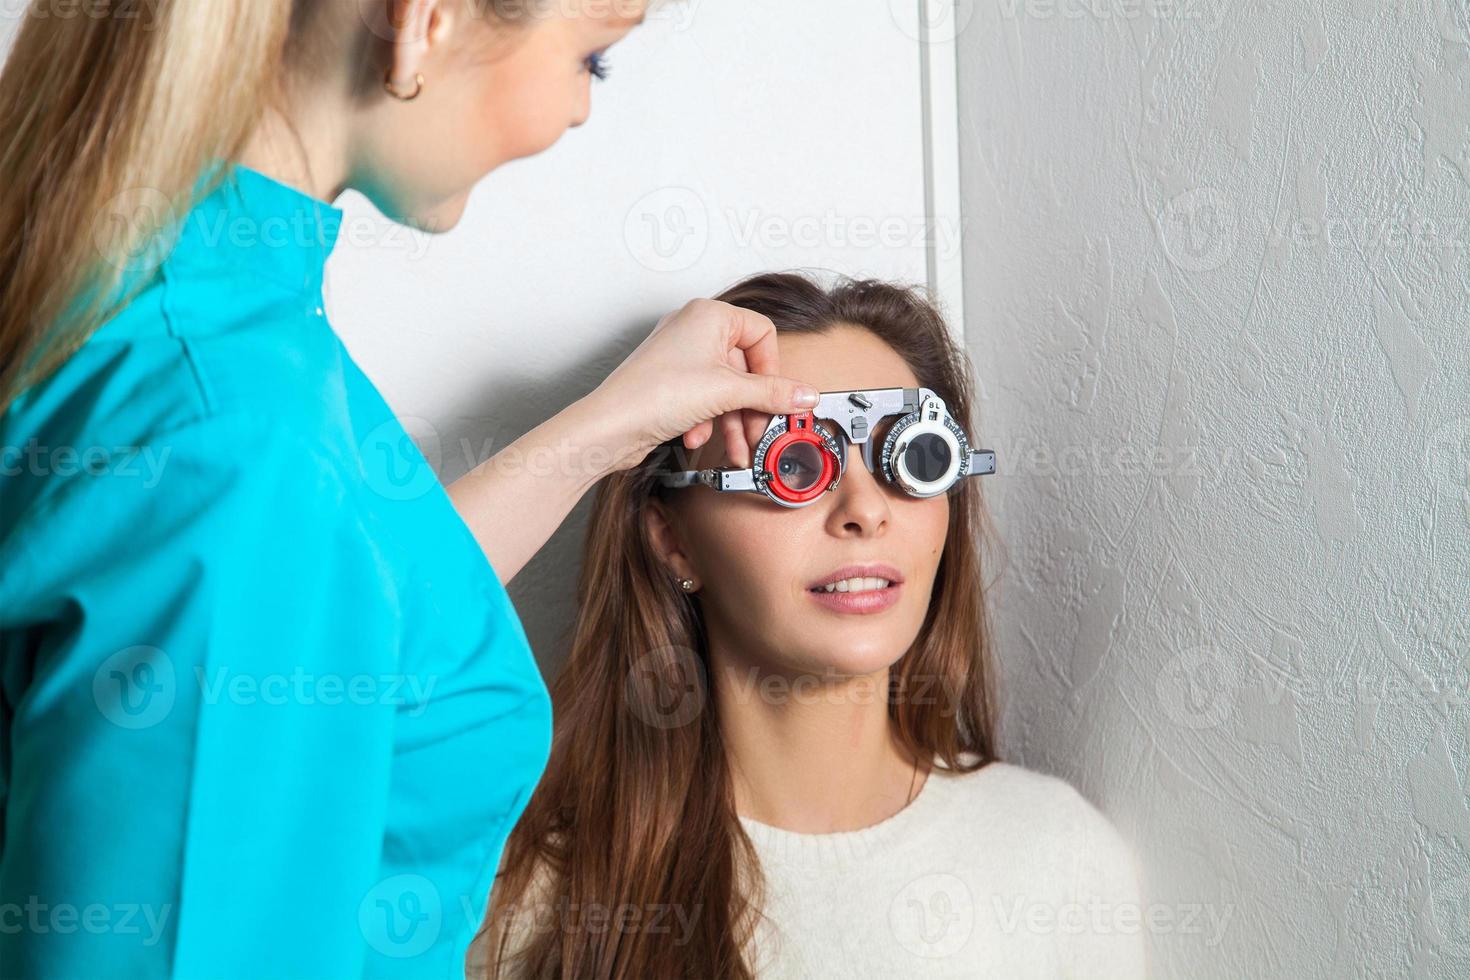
{"points": [[930, 530], [421, 163], [527, 115], [939, 522], [745, 555], [917, 535]]}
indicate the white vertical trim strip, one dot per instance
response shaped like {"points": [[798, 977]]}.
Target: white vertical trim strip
{"points": [[939, 32]]}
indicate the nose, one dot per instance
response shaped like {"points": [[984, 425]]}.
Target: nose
{"points": [[583, 109], [860, 507]]}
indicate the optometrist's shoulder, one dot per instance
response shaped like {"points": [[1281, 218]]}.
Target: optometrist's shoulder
{"points": [[708, 363]]}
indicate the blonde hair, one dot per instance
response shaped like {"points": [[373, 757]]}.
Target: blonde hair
{"points": [[110, 116]]}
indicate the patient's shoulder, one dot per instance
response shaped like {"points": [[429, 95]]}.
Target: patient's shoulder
{"points": [[522, 921], [1021, 806]]}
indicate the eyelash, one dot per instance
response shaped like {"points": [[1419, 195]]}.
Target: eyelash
{"points": [[597, 66]]}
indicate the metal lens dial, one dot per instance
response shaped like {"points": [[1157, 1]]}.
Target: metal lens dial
{"points": [[925, 452]]}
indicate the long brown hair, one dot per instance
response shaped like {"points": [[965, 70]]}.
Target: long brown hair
{"points": [[636, 809]]}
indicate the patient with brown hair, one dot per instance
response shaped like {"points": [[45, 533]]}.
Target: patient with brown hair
{"points": [[775, 750]]}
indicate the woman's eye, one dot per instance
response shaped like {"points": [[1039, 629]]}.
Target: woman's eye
{"points": [[596, 65], [797, 468]]}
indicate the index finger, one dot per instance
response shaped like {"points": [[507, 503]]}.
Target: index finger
{"points": [[754, 351], [755, 336]]}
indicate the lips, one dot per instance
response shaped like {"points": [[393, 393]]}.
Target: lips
{"points": [[858, 589], [872, 570]]}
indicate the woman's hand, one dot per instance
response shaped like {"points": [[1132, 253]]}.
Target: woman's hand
{"points": [[705, 364]]}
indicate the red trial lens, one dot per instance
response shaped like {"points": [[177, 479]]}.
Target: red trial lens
{"points": [[798, 466]]}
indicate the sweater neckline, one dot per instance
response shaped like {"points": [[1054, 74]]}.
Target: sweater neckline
{"points": [[845, 846]]}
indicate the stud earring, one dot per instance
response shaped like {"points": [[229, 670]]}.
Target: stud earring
{"points": [[418, 82], [687, 584]]}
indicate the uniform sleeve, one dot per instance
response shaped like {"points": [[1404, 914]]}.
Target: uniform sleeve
{"points": [[200, 656], [1107, 939]]}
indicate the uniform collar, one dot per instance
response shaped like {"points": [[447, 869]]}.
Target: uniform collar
{"points": [[251, 223]]}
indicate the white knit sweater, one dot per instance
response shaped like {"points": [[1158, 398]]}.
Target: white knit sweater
{"points": [[1001, 873]]}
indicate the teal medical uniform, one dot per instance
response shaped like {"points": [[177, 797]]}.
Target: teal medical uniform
{"points": [[265, 708]]}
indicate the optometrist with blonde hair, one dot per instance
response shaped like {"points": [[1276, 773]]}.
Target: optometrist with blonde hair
{"points": [[260, 715]]}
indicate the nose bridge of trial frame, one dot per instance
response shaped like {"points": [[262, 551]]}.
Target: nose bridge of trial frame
{"points": [[858, 413]]}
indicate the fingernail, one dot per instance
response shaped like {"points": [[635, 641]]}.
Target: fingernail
{"points": [[806, 397]]}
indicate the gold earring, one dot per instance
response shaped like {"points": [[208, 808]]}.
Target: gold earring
{"points": [[418, 81]]}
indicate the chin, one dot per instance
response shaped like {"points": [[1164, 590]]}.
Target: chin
{"points": [[441, 217], [854, 659], [431, 215]]}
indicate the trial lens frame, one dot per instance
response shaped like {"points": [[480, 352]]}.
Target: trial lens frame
{"points": [[857, 414]]}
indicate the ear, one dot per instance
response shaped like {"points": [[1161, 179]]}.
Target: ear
{"points": [[662, 529], [416, 28]]}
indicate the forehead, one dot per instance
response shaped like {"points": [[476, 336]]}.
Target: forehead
{"points": [[844, 358]]}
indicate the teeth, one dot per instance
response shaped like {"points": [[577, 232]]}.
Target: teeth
{"points": [[857, 585]]}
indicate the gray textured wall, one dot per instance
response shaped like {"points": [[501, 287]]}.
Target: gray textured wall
{"points": [[1217, 273]]}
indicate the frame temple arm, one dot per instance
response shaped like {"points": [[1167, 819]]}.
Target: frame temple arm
{"points": [[982, 461], [722, 480]]}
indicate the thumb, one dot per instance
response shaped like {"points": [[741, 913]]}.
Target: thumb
{"points": [[774, 395]]}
